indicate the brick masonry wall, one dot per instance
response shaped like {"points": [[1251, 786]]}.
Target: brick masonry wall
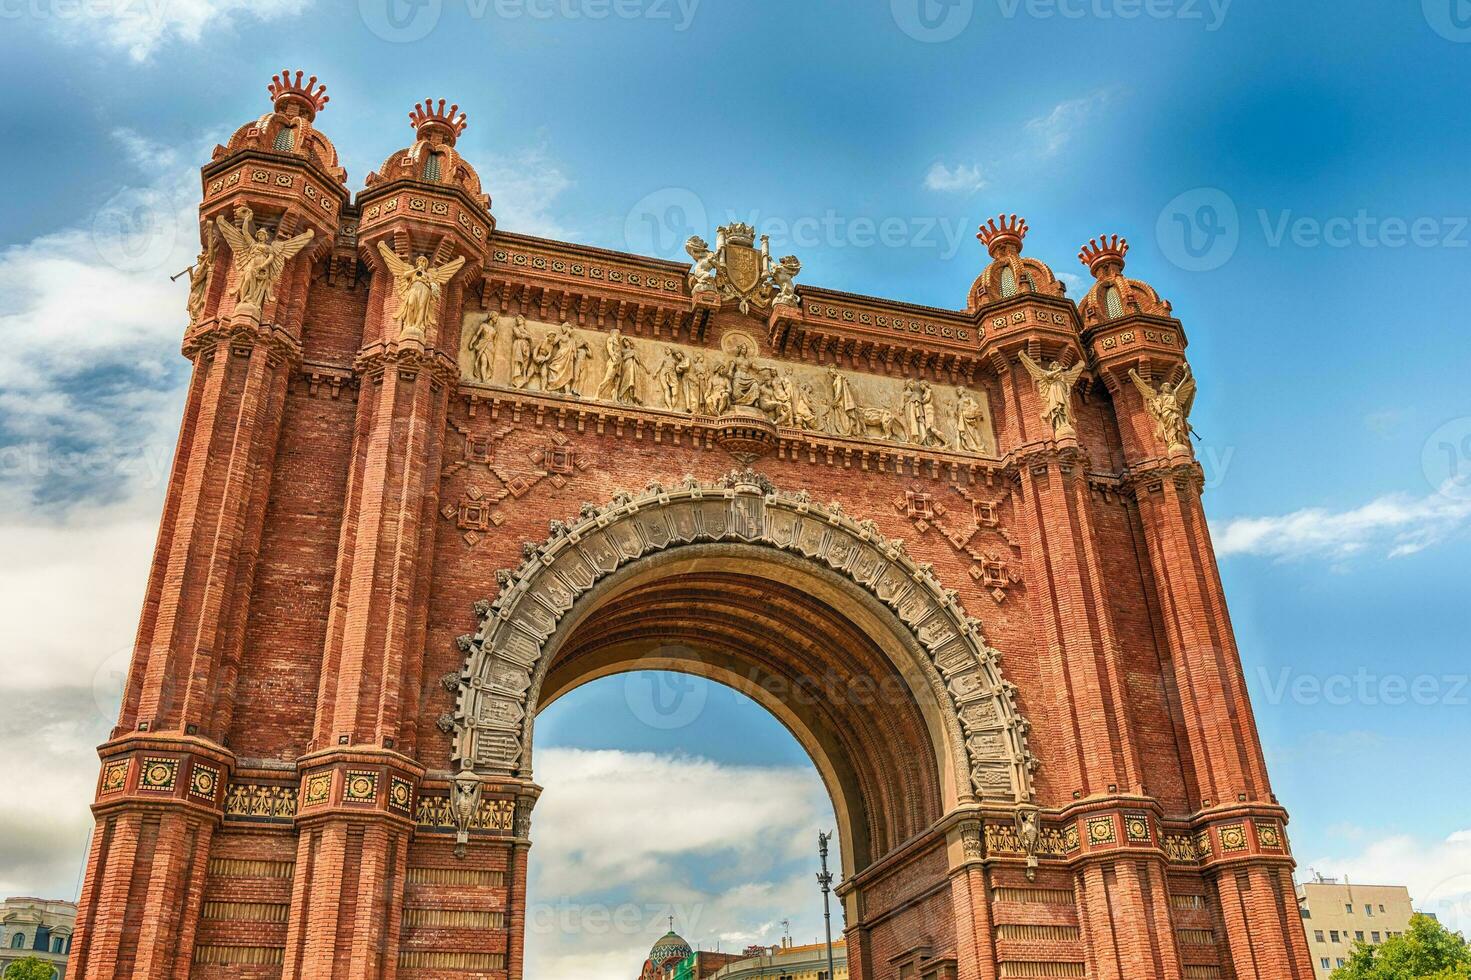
{"points": [[311, 622]]}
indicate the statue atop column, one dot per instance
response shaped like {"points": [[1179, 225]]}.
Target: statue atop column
{"points": [[417, 287], [1170, 406], [258, 260], [1055, 386]]}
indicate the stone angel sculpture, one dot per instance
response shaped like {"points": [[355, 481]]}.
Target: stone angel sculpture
{"points": [[1170, 406], [1055, 386], [417, 287], [258, 260]]}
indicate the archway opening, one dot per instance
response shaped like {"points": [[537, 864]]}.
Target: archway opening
{"points": [[671, 804], [858, 650], [703, 652]]}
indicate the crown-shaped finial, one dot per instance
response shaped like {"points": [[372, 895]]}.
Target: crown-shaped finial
{"points": [[739, 233], [1002, 231], [427, 117], [1103, 251], [308, 95]]}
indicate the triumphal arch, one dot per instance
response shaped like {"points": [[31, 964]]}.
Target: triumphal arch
{"points": [[433, 474]]}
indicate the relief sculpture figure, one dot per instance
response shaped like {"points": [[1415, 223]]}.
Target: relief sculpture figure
{"points": [[482, 349], [520, 353]]}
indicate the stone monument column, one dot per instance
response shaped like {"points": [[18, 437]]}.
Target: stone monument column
{"points": [[422, 232], [1238, 827], [1059, 452], [272, 198]]}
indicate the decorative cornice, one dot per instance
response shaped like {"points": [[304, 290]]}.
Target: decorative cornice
{"points": [[220, 176], [409, 357], [208, 336]]}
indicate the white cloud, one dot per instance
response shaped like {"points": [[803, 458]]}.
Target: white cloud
{"points": [[958, 179], [1437, 873], [626, 838], [90, 396], [1398, 524], [141, 27], [1056, 128], [523, 187], [48, 745]]}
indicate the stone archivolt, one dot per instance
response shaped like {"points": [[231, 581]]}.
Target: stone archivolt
{"points": [[494, 713]]}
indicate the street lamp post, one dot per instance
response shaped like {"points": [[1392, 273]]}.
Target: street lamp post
{"points": [[825, 879]]}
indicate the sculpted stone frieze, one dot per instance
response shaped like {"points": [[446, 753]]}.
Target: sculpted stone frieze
{"points": [[495, 708], [560, 359]]}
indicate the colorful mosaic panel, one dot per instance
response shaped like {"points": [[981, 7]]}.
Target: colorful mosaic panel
{"points": [[1233, 838], [1136, 828], [318, 789], [400, 795], [114, 776], [1101, 831], [159, 775], [361, 787], [204, 781]]}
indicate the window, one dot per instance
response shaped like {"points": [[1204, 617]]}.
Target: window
{"points": [[1348, 908], [1359, 935], [1307, 913], [1374, 936], [1318, 935], [1369, 910], [1326, 965], [1340, 961], [18, 941], [1333, 934], [1381, 908], [56, 945]]}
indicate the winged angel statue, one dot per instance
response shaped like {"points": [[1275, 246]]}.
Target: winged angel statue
{"points": [[1055, 385], [258, 261], [417, 287], [1170, 405]]}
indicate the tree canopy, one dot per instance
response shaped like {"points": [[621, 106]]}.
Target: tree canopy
{"points": [[1426, 951], [30, 968]]}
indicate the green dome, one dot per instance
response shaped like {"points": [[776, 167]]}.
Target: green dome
{"points": [[671, 947]]}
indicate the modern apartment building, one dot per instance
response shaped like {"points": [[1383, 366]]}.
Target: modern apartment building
{"points": [[1338, 914]]}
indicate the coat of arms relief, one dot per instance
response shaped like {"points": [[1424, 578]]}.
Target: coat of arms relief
{"points": [[737, 270]]}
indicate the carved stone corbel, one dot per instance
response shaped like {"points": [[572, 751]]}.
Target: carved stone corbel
{"points": [[1029, 833], [464, 804]]}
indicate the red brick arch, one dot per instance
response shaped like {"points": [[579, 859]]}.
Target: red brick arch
{"points": [[977, 733]]}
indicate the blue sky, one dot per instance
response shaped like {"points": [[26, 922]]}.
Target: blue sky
{"points": [[1291, 176]]}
